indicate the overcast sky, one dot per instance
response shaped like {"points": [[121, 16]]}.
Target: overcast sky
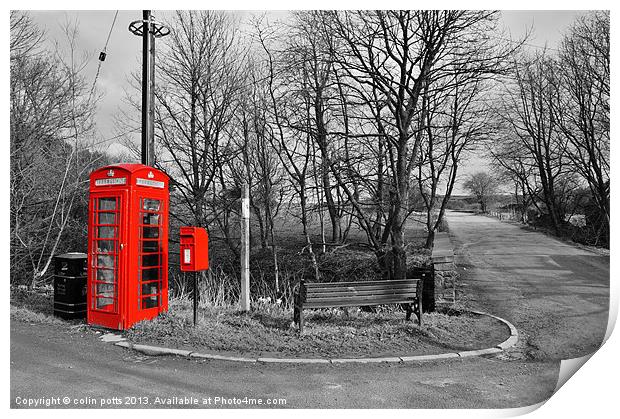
{"points": [[124, 50]]}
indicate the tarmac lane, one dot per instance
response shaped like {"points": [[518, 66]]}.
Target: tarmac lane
{"points": [[555, 293], [50, 363]]}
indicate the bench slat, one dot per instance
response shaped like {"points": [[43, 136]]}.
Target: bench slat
{"points": [[324, 290], [363, 291], [360, 296], [360, 301], [356, 283]]}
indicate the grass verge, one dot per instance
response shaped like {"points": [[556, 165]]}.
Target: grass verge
{"points": [[268, 331]]}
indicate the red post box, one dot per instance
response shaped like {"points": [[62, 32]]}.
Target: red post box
{"points": [[127, 245], [194, 249]]}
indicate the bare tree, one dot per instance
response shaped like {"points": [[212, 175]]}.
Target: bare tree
{"points": [[51, 120], [308, 68], [483, 186], [257, 162], [200, 77], [292, 145], [25, 36], [512, 164], [582, 106], [527, 111], [388, 58], [457, 121]]}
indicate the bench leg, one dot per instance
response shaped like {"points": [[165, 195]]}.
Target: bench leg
{"points": [[409, 311], [298, 316], [419, 313], [296, 313]]}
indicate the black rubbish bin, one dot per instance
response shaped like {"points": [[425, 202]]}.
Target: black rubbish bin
{"points": [[70, 285], [427, 275]]}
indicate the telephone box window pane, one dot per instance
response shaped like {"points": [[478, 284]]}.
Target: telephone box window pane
{"points": [[150, 274], [105, 290], [150, 232], [106, 232], [104, 302], [107, 204], [149, 218], [150, 302], [105, 261], [105, 246], [150, 246], [150, 260], [106, 218], [150, 204], [150, 288], [105, 275]]}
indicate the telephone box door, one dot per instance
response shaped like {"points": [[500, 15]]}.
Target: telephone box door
{"points": [[152, 254], [105, 259]]}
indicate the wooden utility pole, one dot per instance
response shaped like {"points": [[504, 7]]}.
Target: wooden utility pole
{"points": [[244, 301]]}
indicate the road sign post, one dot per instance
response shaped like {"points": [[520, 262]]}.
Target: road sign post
{"points": [[245, 249]]}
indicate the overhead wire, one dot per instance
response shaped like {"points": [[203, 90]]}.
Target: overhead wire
{"points": [[105, 47], [112, 138], [102, 56]]}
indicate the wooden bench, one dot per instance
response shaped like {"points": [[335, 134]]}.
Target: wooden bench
{"points": [[363, 293]]}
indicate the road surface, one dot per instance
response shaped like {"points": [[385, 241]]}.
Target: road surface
{"points": [[554, 293]]}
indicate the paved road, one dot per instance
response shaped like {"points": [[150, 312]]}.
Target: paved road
{"points": [[517, 273], [49, 361], [556, 294]]}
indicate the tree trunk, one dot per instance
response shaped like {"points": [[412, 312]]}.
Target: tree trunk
{"points": [[430, 239], [304, 223], [331, 206], [398, 251]]}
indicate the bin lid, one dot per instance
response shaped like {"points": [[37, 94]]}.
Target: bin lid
{"points": [[72, 255]]}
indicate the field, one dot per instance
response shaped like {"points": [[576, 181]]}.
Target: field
{"points": [[353, 260]]}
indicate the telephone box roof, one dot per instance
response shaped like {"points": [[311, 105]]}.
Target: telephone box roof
{"points": [[130, 167]]}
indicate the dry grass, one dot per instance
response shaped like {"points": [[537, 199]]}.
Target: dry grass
{"points": [[268, 330], [29, 316], [36, 307]]}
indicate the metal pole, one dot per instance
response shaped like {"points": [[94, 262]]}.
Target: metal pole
{"points": [[245, 249], [195, 298], [146, 40]]}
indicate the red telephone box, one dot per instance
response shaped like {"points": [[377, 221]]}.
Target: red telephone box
{"points": [[127, 245]]}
